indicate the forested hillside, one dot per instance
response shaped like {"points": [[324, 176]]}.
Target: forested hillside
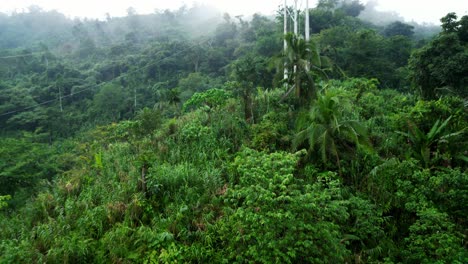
{"points": [[174, 137]]}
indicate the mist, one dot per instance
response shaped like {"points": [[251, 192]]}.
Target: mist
{"points": [[384, 18], [379, 18], [62, 33]]}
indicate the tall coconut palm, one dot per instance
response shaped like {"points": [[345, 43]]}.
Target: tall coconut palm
{"points": [[327, 131], [304, 63]]}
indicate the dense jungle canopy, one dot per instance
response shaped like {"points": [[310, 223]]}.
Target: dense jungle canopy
{"points": [[174, 137]]}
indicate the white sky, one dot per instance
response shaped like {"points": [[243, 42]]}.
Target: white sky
{"points": [[418, 10]]}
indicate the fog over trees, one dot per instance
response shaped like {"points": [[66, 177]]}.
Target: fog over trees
{"points": [[190, 136]]}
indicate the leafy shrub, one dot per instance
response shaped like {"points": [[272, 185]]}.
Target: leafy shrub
{"points": [[210, 98], [271, 133], [272, 217]]}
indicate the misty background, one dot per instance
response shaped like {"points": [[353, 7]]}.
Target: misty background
{"points": [[175, 53], [172, 135], [194, 21], [416, 10]]}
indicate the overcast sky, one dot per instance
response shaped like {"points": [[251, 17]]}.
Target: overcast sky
{"points": [[417, 10]]}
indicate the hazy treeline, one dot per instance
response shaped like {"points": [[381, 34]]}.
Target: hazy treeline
{"points": [[174, 137]]}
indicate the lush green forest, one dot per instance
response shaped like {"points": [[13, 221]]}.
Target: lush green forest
{"points": [[174, 137]]}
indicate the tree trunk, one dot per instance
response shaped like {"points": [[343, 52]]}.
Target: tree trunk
{"points": [[248, 111], [143, 178]]}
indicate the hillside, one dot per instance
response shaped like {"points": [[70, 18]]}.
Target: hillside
{"points": [[174, 138]]}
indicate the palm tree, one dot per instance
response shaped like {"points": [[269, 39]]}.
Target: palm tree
{"points": [[168, 101], [328, 131], [304, 63], [424, 145]]}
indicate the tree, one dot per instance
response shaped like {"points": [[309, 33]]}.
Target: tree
{"points": [[365, 53], [225, 31], [194, 82], [327, 4], [463, 29], [333, 13], [321, 19], [24, 163], [426, 145], [327, 129], [398, 50], [109, 103], [3, 199], [449, 23], [442, 65], [167, 100], [436, 200], [250, 72], [352, 7], [87, 45], [304, 64], [399, 28], [271, 217], [210, 98], [267, 39], [333, 43]]}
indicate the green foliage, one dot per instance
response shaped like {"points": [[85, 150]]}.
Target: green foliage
{"points": [[425, 189], [352, 8], [178, 182], [3, 199], [450, 23], [426, 146], [423, 122], [109, 103], [364, 234], [360, 86], [382, 185], [426, 113], [304, 65], [333, 13], [209, 99], [398, 28], [328, 130], [440, 67], [362, 52], [219, 182], [194, 82], [250, 71], [434, 236], [272, 217], [271, 133], [432, 240], [148, 121], [25, 163]]}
